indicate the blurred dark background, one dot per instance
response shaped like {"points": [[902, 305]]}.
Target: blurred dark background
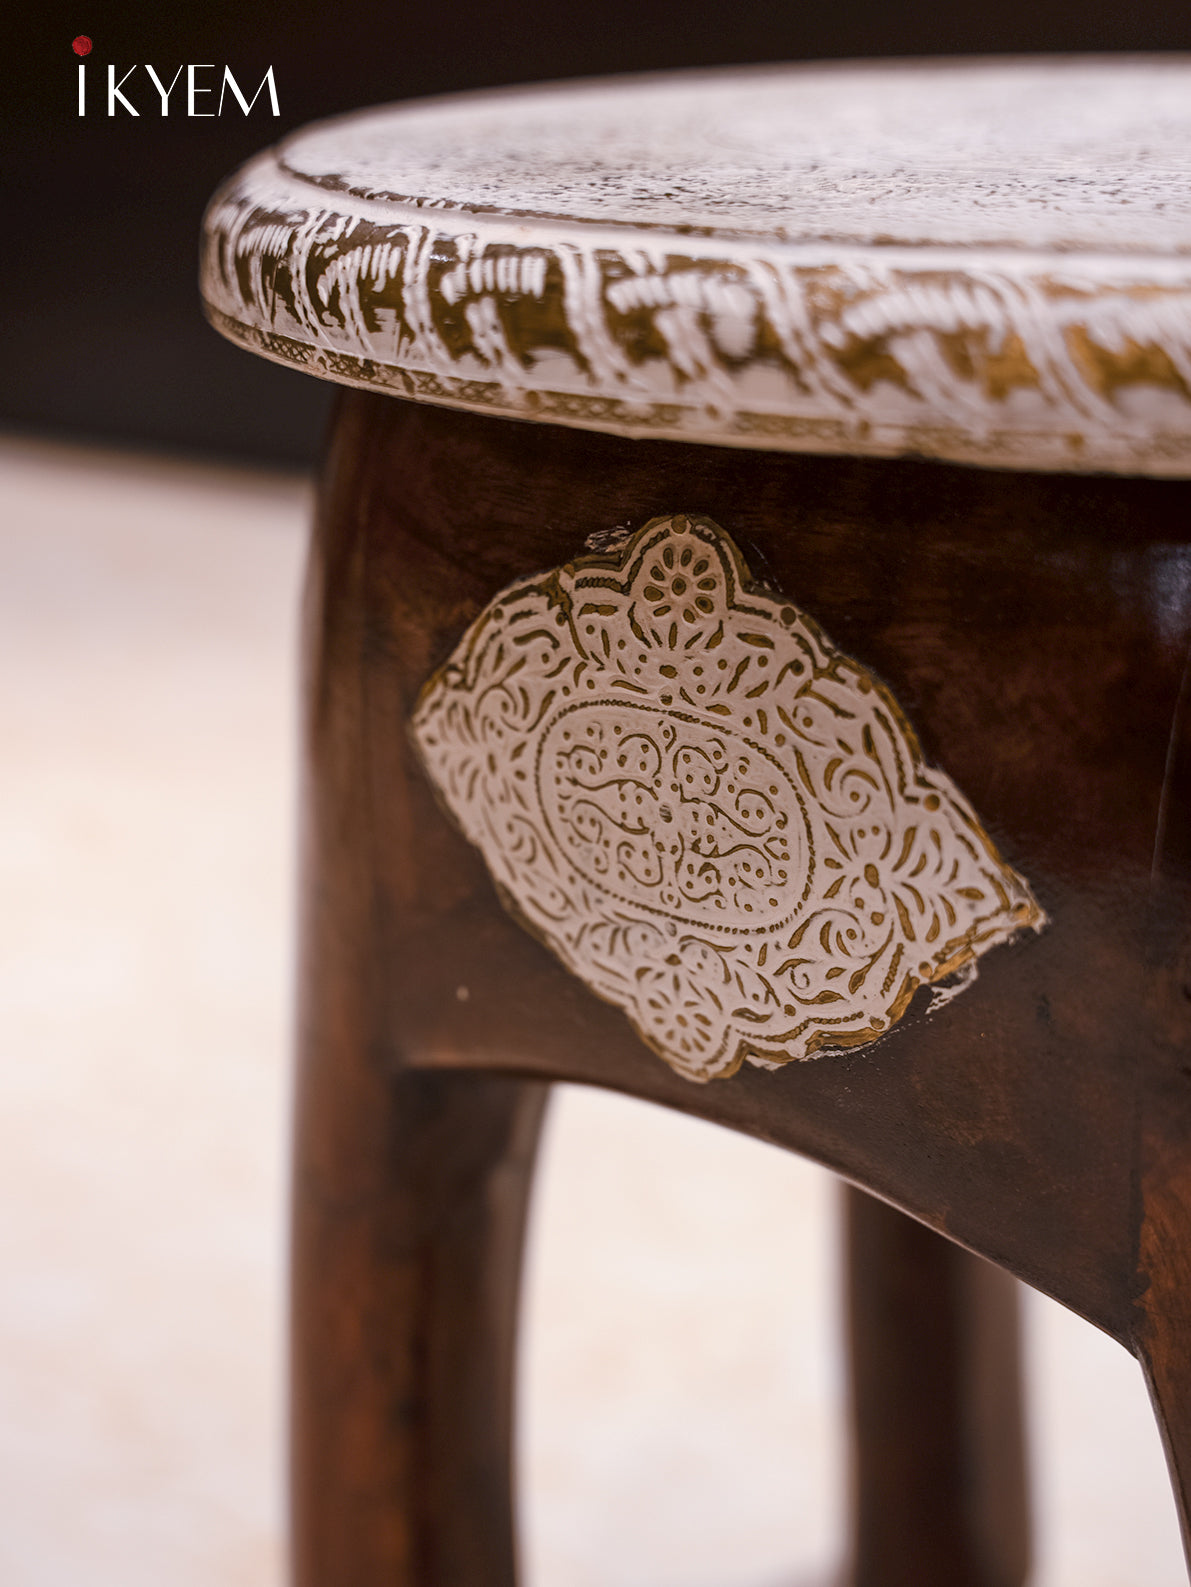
{"points": [[101, 335]]}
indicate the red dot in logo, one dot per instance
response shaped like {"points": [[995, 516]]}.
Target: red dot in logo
{"points": [[82, 45]]}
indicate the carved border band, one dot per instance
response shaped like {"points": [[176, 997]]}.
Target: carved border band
{"points": [[1018, 362], [986, 261]]}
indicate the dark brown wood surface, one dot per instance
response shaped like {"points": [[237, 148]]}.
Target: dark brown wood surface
{"points": [[1035, 631], [938, 1470]]}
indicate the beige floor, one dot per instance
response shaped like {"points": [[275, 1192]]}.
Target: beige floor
{"points": [[680, 1375]]}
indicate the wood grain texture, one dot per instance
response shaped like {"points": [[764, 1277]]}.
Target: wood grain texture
{"points": [[981, 261], [1034, 627], [939, 1477]]}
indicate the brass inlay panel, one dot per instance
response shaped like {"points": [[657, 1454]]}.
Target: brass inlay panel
{"points": [[714, 818]]}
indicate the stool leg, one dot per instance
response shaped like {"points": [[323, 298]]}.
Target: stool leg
{"points": [[410, 1185], [938, 1470], [1166, 1362], [1162, 1336], [410, 1200]]}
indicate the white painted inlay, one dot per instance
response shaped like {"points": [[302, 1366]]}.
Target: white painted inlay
{"points": [[712, 816], [989, 262]]}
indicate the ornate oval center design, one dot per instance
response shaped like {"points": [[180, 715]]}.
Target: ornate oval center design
{"points": [[674, 815], [714, 818]]}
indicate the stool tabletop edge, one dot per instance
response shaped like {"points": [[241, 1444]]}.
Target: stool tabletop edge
{"points": [[844, 258]]}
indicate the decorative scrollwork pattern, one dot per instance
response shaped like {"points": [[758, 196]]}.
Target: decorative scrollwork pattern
{"points": [[712, 816], [988, 262]]}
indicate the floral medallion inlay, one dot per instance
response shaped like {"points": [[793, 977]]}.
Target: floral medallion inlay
{"points": [[712, 816]]}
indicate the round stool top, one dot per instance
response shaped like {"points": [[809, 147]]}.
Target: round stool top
{"points": [[983, 261]]}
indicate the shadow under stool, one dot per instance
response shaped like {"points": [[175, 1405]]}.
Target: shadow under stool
{"points": [[746, 668]]}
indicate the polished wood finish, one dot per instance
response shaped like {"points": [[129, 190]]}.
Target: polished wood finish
{"points": [[1035, 630], [938, 1478], [408, 1253]]}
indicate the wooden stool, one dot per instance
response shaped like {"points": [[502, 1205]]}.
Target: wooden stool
{"points": [[682, 704]]}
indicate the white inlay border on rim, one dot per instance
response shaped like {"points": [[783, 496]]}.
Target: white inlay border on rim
{"points": [[988, 262]]}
